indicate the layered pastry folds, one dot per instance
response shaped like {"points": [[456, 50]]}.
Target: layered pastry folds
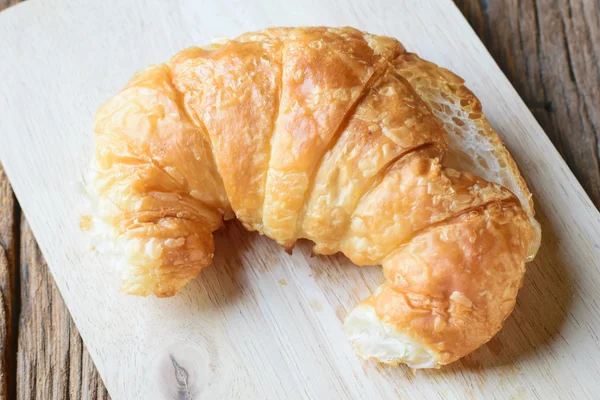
{"points": [[333, 135]]}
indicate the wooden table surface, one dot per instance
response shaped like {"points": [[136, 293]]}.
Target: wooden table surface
{"points": [[550, 51]]}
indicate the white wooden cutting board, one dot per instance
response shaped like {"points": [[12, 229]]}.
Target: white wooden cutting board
{"points": [[260, 323]]}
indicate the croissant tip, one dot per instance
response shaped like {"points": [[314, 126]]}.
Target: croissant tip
{"points": [[288, 248]]}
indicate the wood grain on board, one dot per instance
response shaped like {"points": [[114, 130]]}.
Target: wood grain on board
{"points": [[548, 49]]}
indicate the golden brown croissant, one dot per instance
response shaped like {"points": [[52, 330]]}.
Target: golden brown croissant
{"points": [[332, 135]]}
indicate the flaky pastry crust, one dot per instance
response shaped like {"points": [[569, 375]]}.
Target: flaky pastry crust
{"points": [[333, 135]]}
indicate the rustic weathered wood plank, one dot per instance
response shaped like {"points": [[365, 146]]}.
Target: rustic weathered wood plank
{"points": [[52, 360], [550, 51], [8, 286]]}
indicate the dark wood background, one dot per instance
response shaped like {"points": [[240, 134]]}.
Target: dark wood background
{"points": [[550, 51]]}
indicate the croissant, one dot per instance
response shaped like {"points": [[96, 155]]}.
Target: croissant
{"points": [[333, 135]]}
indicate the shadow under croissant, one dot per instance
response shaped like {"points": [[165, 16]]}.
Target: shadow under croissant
{"points": [[540, 311], [542, 304], [224, 280], [221, 285]]}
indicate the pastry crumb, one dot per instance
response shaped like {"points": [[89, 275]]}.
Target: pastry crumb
{"points": [[85, 222]]}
